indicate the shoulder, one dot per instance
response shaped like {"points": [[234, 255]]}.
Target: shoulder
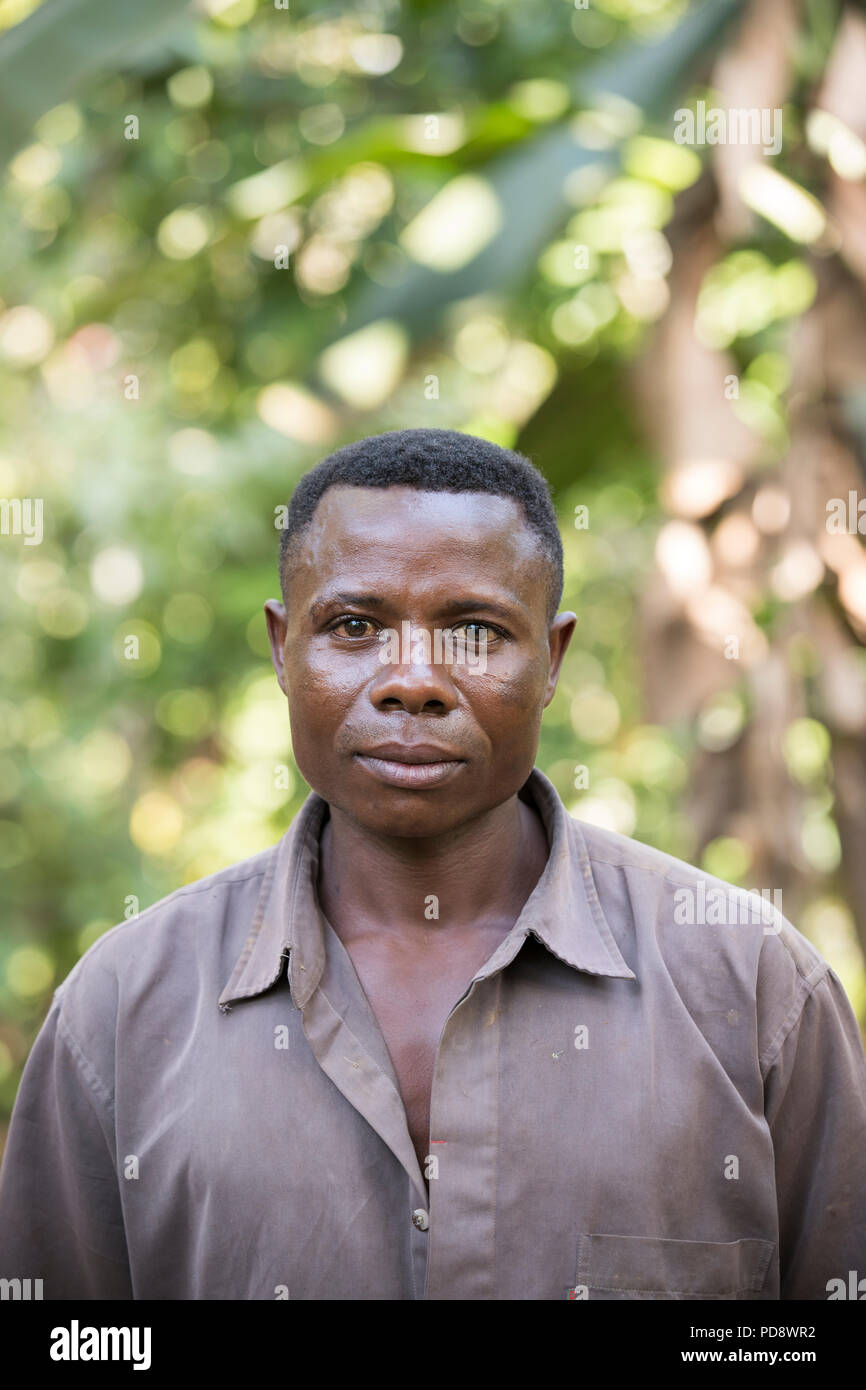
{"points": [[200, 907], [163, 957], [715, 940]]}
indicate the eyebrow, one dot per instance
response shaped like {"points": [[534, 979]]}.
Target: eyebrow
{"points": [[353, 600], [470, 603], [473, 602]]}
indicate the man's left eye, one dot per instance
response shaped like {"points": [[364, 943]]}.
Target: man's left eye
{"points": [[477, 632]]}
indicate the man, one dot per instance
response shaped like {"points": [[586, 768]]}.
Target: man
{"points": [[443, 1041]]}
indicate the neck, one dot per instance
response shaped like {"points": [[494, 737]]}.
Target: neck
{"points": [[477, 877]]}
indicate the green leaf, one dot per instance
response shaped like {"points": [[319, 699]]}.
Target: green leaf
{"points": [[46, 58], [528, 180]]}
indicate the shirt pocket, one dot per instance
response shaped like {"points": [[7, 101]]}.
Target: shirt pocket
{"points": [[652, 1267]]}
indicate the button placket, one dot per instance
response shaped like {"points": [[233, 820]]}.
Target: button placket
{"points": [[465, 1112]]}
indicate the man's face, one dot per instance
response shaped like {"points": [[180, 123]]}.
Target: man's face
{"points": [[373, 559]]}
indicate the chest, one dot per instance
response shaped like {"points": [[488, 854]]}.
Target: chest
{"points": [[411, 1000], [542, 1141]]}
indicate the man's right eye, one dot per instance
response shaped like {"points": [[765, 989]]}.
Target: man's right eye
{"points": [[353, 626]]}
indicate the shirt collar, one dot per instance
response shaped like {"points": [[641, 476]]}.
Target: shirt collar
{"points": [[563, 911]]}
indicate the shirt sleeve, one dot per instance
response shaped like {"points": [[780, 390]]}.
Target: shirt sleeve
{"points": [[815, 1104], [61, 1219]]}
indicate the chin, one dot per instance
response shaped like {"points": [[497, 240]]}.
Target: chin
{"points": [[407, 817]]}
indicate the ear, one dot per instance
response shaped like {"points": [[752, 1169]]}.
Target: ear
{"points": [[558, 638], [275, 617]]}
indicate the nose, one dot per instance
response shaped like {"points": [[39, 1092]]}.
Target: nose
{"points": [[416, 683]]}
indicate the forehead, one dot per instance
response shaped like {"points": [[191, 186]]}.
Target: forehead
{"points": [[410, 535]]}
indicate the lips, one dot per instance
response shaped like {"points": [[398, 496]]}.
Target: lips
{"points": [[411, 753], [410, 765]]}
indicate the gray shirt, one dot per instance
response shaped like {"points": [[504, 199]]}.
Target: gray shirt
{"points": [[640, 1095]]}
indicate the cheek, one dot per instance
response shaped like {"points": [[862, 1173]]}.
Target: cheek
{"points": [[508, 701], [323, 684], [518, 684]]}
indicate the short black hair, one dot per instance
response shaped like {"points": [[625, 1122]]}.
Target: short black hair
{"points": [[432, 460]]}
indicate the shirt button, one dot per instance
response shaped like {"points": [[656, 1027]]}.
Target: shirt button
{"points": [[420, 1219]]}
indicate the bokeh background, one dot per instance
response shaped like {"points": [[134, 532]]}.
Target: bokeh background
{"points": [[237, 235]]}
